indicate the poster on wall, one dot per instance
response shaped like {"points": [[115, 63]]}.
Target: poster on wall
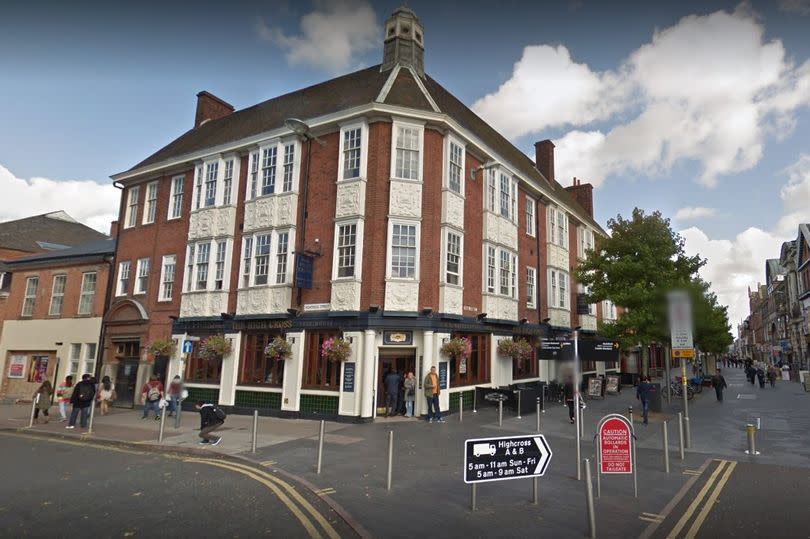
{"points": [[16, 366], [39, 369]]}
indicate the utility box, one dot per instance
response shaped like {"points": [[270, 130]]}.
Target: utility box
{"points": [[655, 398]]}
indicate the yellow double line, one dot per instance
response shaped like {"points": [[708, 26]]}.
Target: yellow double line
{"points": [[285, 492], [715, 484]]}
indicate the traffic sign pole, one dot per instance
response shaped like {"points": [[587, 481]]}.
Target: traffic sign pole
{"points": [[576, 402]]}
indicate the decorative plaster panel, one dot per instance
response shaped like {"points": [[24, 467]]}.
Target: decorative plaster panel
{"points": [[500, 308], [406, 199], [559, 318], [351, 199], [346, 296], [557, 257], [265, 300], [270, 211], [500, 230], [450, 299], [212, 223], [401, 295], [452, 209], [203, 303], [587, 321]]}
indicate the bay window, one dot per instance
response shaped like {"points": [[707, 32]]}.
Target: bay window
{"points": [[407, 151], [558, 289], [346, 250], [403, 241], [258, 253], [273, 169], [557, 227], [501, 262], [455, 166], [453, 258], [352, 150]]}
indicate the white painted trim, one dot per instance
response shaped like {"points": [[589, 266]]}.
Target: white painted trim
{"points": [[146, 202], [448, 139], [420, 127], [388, 253], [444, 251], [358, 250], [362, 124], [422, 87], [533, 303], [389, 83]]}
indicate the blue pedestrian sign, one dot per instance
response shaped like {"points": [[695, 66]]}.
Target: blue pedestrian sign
{"points": [[188, 346]]}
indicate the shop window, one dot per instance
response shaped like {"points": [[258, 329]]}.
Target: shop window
{"points": [[527, 368], [476, 369], [588, 366], [203, 371], [257, 369], [320, 373]]}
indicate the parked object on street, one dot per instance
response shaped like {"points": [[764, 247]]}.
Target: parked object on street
{"points": [[212, 417], [82, 399]]}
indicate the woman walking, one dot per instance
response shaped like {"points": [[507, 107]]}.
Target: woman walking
{"points": [[410, 393], [43, 400], [63, 394], [106, 394]]}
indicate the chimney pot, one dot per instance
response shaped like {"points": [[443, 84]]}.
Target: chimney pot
{"points": [[210, 107]]}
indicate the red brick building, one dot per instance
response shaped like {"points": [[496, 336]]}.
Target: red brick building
{"points": [[375, 207]]}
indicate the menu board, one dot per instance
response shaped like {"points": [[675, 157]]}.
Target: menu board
{"points": [[442, 375], [595, 387], [612, 385], [348, 377]]}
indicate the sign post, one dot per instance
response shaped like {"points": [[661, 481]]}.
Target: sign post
{"points": [[504, 458], [616, 449], [680, 329]]}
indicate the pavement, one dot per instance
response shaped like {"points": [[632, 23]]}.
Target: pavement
{"points": [[427, 486]]}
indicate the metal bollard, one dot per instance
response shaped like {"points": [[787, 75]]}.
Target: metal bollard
{"points": [[687, 433], [751, 431], [518, 404], [666, 446], [460, 407], [581, 422], [474, 500], [630, 413], [255, 431], [92, 415], [162, 425], [390, 458], [320, 447], [589, 500], [475, 401], [34, 403], [177, 413], [538, 414], [500, 413], [680, 434]]}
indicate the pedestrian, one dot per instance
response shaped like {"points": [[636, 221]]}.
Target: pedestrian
{"points": [[82, 400], [761, 377], [644, 393], [151, 393], [772, 376], [212, 417], [63, 394], [719, 384], [568, 391], [391, 382], [175, 393], [410, 393], [750, 373], [786, 373], [106, 395], [43, 399], [432, 391]]}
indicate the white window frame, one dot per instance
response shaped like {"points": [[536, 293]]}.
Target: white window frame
{"points": [[55, 308], [446, 255], [449, 142], [531, 217], [228, 174], [493, 287], [490, 269], [150, 203], [389, 249], [531, 287], [247, 264], [358, 251], [586, 241], [558, 283], [558, 226], [131, 213], [124, 269], [220, 260], [491, 190], [142, 276], [87, 298], [256, 168], [175, 210], [167, 277], [90, 358], [608, 310], [363, 127], [201, 247], [282, 265], [420, 134], [75, 359]]}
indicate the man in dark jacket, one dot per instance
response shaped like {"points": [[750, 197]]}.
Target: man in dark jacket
{"points": [[211, 419], [719, 384], [391, 382], [643, 393], [82, 399]]}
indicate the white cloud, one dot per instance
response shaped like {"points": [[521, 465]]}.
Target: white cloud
{"points": [[708, 89], [331, 37], [91, 203], [694, 212], [734, 265], [795, 7]]}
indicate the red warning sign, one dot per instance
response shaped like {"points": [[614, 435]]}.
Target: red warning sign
{"points": [[615, 449]]}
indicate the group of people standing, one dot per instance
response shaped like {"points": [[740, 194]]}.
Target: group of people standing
{"points": [[156, 398], [759, 372], [400, 394], [78, 397]]}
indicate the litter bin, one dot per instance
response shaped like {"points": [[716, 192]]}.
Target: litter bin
{"points": [[655, 398]]}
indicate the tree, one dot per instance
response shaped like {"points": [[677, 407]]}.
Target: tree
{"points": [[712, 329]]}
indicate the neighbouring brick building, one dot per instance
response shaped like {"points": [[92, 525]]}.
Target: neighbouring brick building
{"points": [[374, 206]]}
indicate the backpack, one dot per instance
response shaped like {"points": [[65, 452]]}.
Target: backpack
{"points": [[220, 413], [85, 392], [153, 394]]}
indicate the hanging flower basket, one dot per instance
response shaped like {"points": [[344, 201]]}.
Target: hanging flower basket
{"points": [[459, 349], [161, 348], [336, 349], [278, 349], [519, 350], [215, 347]]}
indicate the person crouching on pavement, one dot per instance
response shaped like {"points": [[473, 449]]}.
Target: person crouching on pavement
{"points": [[212, 417], [643, 391], [719, 384]]}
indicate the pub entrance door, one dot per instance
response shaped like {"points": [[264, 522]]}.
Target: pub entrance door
{"points": [[126, 379], [403, 361]]}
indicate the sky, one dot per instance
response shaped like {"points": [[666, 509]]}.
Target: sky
{"points": [[700, 110]]}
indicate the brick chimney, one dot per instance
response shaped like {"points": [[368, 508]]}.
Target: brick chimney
{"points": [[210, 107], [544, 158], [114, 229], [583, 194]]}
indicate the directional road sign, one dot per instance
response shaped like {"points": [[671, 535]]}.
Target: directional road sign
{"points": [[510, 457], [188, 346]]}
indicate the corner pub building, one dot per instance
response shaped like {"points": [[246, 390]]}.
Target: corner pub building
{"points": [[374, 206]]}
